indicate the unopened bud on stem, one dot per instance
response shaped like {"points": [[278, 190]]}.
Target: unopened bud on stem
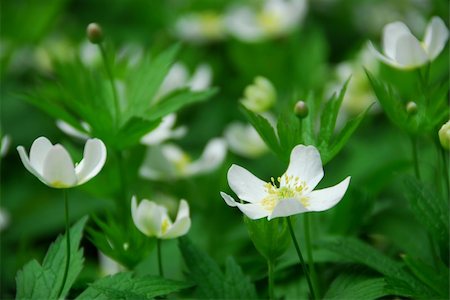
{"points": [[94, 33], [301, 109], [444, 136], [411, 107]]}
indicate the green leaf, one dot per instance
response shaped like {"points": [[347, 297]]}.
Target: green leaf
{"points": [[175, 101], [211, 282], [429, 209], [351, 287], [265, 130], [289, 132], [271, 238], [124, 286], [132, 132], [357, 251], [43, 282], [144, 82], [329, 115]]}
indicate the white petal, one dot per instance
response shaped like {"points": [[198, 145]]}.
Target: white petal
{"points": [[201, 79], [245, 185], [391, 33], [324, 199], [147, 216], [38, 152], [26, 162], [71, 131], [182, 223], [382, 57], [305, 163], [58, 169], [409, 52], [157, 164], [244, 140], [94, 158], [287, 207], [436, 37], [228, 199], [211, 158]]}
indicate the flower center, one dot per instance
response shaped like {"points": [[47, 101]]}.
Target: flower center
{"points": [[182, 162], [292, 187], [165, 226], [269, 21]]}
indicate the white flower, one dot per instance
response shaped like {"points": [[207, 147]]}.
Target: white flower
{"points": [[200, 27], [53, 165], [444, 135], [4, 219], [164, 131], [6, 141], [402, 50], [260, 96], [295, 192], [244, 140], [153, 219], [109, 266], [274, 19], [170, 162], [74, 132], [178, 77]]}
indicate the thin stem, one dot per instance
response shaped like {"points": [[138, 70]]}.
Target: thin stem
{"points": [[66, 268], [445, 168], [123, 200], [415, 157], [111, 80], [309, 252], [300, 256], [270, 270], [158, 252]]}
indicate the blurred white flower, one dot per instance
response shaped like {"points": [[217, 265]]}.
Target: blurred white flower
{"points": [[53, 50], [5, 143], [260, 96], [90, 54], [74, 132], [164, 131], [108, 266], [4, 219], [153, 219], [178, 77], [170, 162], [275, 18], [244, 140], [200, 27], [402, 50], [53, 165], [444, 135], [294, 194]]}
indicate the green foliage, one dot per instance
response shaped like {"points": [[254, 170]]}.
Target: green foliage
{"points": [[357, 287], [37, 281], [271, 238], [291, 131], [212, 283], [124, 286]]}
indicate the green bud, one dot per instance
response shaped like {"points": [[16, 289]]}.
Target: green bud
{"points": [[301, 109], [94, 33], [411, 107], [444, 135], [259, 96], [271, 238]]}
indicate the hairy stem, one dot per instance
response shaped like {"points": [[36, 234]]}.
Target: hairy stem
{"points": [[66, 268], [300, 256]]}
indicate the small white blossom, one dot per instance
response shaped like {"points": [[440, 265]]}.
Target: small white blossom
{"points": [[170, 162], [200, 27], [53, 165], [275, 18], [164, 131], [295, 193], [153, 219], [260, 96], [402, 50], [244, 140]]}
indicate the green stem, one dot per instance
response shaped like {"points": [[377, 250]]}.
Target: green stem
{"points": [[445, 168], [300, 256], [309, 252], [270, 270], [111, 80], [123, 200], [66, 268], [415, 157], [158, 252]]}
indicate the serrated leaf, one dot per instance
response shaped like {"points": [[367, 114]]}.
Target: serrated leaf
{"points": [[357, 288], [289, 132], [243, 288], [175, 101], [429, 209], [131, 133], [329, 115], [44, 282], [124, 286], [265, 130], [212, 283]]}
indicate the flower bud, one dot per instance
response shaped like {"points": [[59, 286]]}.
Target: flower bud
{"points": [[94, 33], [301, 109], [411, 108], [260, 96], [444, 135]]}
